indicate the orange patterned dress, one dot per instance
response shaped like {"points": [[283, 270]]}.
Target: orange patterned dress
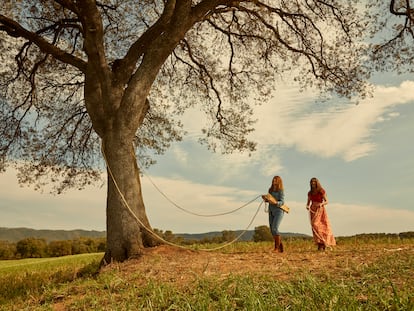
{"points": [[321, 227]]}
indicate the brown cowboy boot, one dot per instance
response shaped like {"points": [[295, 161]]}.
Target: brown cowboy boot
{"points": [[277, 242], [281, 249]]}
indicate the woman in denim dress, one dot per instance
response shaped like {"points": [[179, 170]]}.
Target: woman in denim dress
{"points": [[275, 212]]}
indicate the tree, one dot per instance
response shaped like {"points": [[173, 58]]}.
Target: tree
{"points": [[168, 235], [395, 52], [59, 248], [262, 233], [115, 74], [83, 245], [7, 250], [228, 236], [31, 248]]}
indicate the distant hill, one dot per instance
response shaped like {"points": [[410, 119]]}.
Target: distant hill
{"points": [[247, 236], [17, 234]]}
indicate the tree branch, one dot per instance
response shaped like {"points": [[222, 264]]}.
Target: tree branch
{"points": [[14, 29]]}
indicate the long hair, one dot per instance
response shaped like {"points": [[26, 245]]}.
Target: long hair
{"points": [[278, 186], [318, 187]]}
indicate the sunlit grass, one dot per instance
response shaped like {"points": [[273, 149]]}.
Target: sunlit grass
{"points": [[30, 277], [71, 283], [39, 264], [303, 244]]}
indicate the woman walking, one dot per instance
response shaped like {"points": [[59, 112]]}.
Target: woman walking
{"points": [[275, 198], [321, 228]]}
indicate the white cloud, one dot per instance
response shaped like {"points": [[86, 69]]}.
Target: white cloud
{"points": [[234, 164], [294, 121], [86, 210], [180, 154], [346, 219], [338, 130], [24, 207], [195, 198], [349, 219], [270, 163]]}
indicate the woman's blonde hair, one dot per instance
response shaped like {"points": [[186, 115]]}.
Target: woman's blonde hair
{"points": [[279, 184]]}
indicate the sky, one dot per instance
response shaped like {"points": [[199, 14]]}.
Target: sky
{"points": [[362, 153]]}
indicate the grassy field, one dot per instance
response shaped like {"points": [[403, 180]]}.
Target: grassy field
{"points": [[358, 274]]}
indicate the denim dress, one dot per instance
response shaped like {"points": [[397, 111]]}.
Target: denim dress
{"points": [[275, 212]]}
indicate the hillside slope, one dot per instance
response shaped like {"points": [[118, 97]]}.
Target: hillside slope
{"points": [[17, 234]]}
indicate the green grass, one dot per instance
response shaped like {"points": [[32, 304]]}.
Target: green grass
{"points": [[40, 264], [29, 278], [384, 283]]}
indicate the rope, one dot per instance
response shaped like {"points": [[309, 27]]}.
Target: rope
{"points": [[190, 212], [125, 203]]}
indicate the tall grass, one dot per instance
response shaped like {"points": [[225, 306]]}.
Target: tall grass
{"points": [[70, 283], [31, 277]]}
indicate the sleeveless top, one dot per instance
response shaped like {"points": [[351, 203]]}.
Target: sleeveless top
{"points": [[317, 197]]}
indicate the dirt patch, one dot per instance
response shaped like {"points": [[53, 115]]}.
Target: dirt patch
{"points": [[181, 266]]}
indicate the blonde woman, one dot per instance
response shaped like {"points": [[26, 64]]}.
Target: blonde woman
{"points": [[275, 212], [321, 228]]}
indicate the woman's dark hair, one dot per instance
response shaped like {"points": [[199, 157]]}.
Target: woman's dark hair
{"points": [[318, 187]]}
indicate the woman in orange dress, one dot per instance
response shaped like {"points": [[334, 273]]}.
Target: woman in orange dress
{"points": [[321, 228]]}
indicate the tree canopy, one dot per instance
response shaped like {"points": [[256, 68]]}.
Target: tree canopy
{"points": [[230, 44], [392, 35], [79, 76]]}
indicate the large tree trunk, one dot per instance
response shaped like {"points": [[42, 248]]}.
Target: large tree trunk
{"points": [[126, 236]]}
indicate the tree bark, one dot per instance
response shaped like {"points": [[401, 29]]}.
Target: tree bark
{"points": [[126, 236]]}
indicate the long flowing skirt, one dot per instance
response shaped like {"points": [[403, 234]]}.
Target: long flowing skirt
{"points": [[321, 227]]}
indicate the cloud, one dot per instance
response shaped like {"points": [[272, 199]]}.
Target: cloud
{"points": [[180, 154], [293, 121], [329, 129], [192, 158], [269, 163], [24, 207], [165, 199], [346, 219], [349, 219], [172, 204]]}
